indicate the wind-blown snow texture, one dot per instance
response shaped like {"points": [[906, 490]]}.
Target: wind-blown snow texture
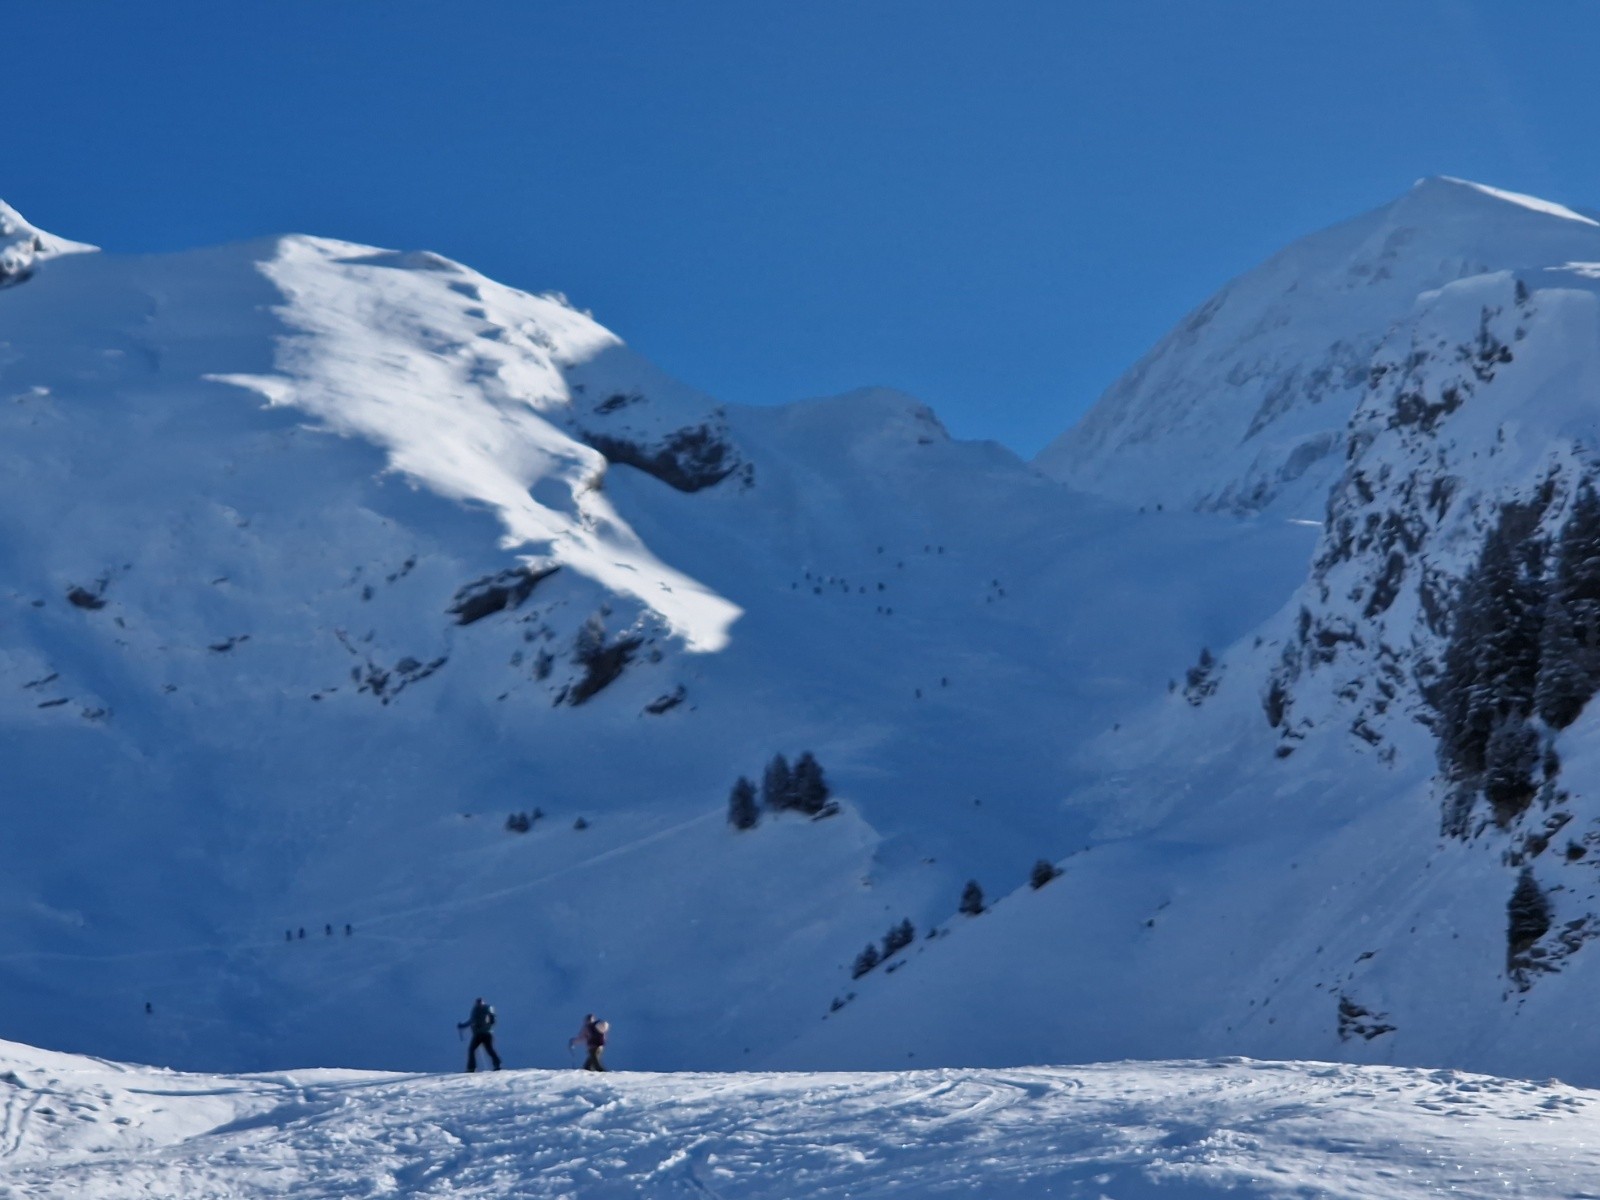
{"points": [[94, 1130], [320, 561]]}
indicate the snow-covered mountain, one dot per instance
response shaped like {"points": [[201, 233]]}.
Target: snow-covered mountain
{"points": [[1368, 830], [1243, 407], [379, 636], [316, 577], [21, 246]]}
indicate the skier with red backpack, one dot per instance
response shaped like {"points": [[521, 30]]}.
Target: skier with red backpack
{"points": [[592, 1035]]}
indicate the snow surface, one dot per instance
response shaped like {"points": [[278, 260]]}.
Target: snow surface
{"points": [[96, 1130]]}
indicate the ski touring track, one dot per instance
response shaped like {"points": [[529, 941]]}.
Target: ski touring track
{"points": [[368, 920]]}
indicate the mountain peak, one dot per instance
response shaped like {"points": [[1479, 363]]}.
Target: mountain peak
{"points": [[23, 244], [1434, 190], [1242, 408]]}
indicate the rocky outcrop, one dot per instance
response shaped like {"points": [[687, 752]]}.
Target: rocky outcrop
{"points": [[687, 459]]}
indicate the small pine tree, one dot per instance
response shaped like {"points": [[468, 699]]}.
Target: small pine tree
{"points": [[1043, 872], [865, 961], [899, 937], [742, 810], [776, 784], [972, 898], [1528, 918], [808, 789]]}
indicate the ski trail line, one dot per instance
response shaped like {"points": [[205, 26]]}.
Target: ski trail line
{"points": [[268, 943], [541, 880], [16, 1120]]}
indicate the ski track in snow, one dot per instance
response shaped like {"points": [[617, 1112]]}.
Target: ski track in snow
{"points": [[453, 905], [1128, 1131]]}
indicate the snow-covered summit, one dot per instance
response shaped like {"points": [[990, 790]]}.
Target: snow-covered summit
{"points": [[1243, 407], [22, 245]]}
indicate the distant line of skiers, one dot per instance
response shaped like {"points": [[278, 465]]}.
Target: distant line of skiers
{"points": [[327, 931], [481, 1021]]}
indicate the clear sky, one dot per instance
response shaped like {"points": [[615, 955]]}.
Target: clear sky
{"points": [[995, 205]]}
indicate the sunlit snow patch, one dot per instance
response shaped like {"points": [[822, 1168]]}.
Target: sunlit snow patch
{"points": [[456, 378]]}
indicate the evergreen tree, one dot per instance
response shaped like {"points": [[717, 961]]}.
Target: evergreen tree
{"points": [[776, 784], [1528, 918], [1043, 872], [1491, 666], [865, 961], [808, 790], [898, 938], [742, 810], [972, 898], [1509, 763], [1569, 651]]}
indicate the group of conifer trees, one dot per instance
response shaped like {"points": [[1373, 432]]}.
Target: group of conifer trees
{"points": [[801, 788], [1524, 649]]}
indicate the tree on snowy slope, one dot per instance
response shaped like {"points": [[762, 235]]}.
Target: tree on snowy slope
{"points": [[808, 789], [1486, 691], [899, 937], [1569, 649], [742, 810], [972, 899], [776, 783]]}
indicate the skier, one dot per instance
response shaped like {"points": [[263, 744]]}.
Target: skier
{"points": [[592, 1035], [482, 1022]]}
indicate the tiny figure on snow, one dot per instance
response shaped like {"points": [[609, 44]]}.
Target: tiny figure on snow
{"points": [[347, 930], [592, 1035], [481, 1021], [328, 930], [147, 1008], [302, 932]]}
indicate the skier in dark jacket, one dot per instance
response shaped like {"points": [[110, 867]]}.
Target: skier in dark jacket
{"points": [[592, 1035], [482, 1022]]}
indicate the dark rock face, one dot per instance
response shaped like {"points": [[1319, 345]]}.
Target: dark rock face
{"points": [[687, 459], [667, 702], [80, 597], [602, 665], [495, 593], [1355, 1020]]}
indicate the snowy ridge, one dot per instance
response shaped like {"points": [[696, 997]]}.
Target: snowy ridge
{"points": [[1243, 407], [94, 1130], [22, 245], [465, 385]]}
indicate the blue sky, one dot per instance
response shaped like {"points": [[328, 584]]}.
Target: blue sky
{"points": [[994, 205]]}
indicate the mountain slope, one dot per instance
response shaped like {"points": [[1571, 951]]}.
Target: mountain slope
{"points": [[315, 576], [1243, 407], [1369, 831]]}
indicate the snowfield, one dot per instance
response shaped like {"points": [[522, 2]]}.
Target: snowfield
{"points": [[88, 1129]]}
